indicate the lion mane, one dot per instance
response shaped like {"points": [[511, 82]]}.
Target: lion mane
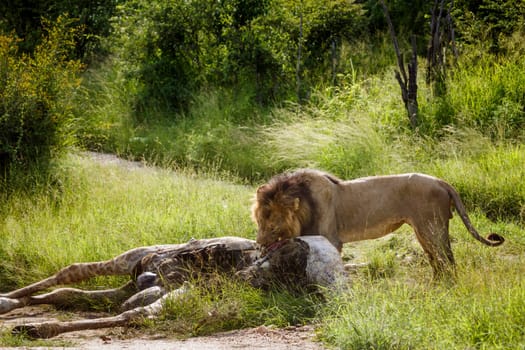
{"points": [[311, 202]]}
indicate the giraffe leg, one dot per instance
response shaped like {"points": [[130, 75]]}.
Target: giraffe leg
{"points": [[120, 265], [71, 297], [51, 329], [70, 274]]}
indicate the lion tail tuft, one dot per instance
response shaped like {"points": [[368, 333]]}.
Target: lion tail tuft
{"points": [[495, 239], [492, 239]]}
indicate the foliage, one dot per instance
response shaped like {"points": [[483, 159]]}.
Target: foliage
{"points": [[409, 17], [220, 131], [104, 106], [174, 49], [356, 129], [36, 94], [480, 180], [488, 22], [484, 91], [494, 94], [26, 19]]}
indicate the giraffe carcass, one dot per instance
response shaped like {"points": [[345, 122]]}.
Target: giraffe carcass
{"points": [[163, 271]]}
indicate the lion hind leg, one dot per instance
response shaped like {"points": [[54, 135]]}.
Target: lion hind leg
{"points": [[435, 241]]}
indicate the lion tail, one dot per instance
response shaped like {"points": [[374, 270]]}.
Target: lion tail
{"points": [[493, 239]]}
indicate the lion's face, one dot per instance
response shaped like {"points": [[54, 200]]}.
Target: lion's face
{"points": [[277, 217]]}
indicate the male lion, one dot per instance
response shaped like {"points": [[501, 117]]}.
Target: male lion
{"points": [[308, 202]]}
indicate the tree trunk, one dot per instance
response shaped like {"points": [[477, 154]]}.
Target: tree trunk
{"points": [[299, 58], [441, 34], [408, 84]]}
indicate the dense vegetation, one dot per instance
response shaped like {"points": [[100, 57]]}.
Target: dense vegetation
{"points": [[228, 93]]}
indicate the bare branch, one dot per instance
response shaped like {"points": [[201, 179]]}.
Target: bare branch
{"points": [[394, 41], [408, 84]]}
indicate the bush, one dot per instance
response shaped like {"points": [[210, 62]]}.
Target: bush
{"points": [[176, 49], [35, 95], [26, 20], [490, 96]]}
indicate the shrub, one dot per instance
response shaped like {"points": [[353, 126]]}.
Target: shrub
{"points": [[35, 90], [491, 96]]}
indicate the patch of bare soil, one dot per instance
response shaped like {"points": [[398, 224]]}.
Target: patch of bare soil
{"points": [[262, 338]]}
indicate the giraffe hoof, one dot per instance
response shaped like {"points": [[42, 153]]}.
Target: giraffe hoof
{"points": [[8, 304], [37, 330], [146, 280], [27, 330]]}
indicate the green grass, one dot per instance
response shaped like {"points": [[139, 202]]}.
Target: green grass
{"points": [[484, 309], [478, 312], [106, 210], [394, 304], [7, 340], [391, 304], [472, 137], [226, 304]]}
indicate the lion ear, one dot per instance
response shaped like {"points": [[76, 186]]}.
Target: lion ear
{"points": [[261, 190], [296, 203]]}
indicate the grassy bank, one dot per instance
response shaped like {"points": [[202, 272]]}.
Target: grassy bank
{"points": [[103, 210], [393, 304], [482, 311], [470, 134]]}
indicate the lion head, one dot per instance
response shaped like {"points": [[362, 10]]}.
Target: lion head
{"points": [[282, 208]]}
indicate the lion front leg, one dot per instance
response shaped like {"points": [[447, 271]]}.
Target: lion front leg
{"points": [[327, 227]]}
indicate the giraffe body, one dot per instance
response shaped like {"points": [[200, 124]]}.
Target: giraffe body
{"points": [[163, 271]]}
